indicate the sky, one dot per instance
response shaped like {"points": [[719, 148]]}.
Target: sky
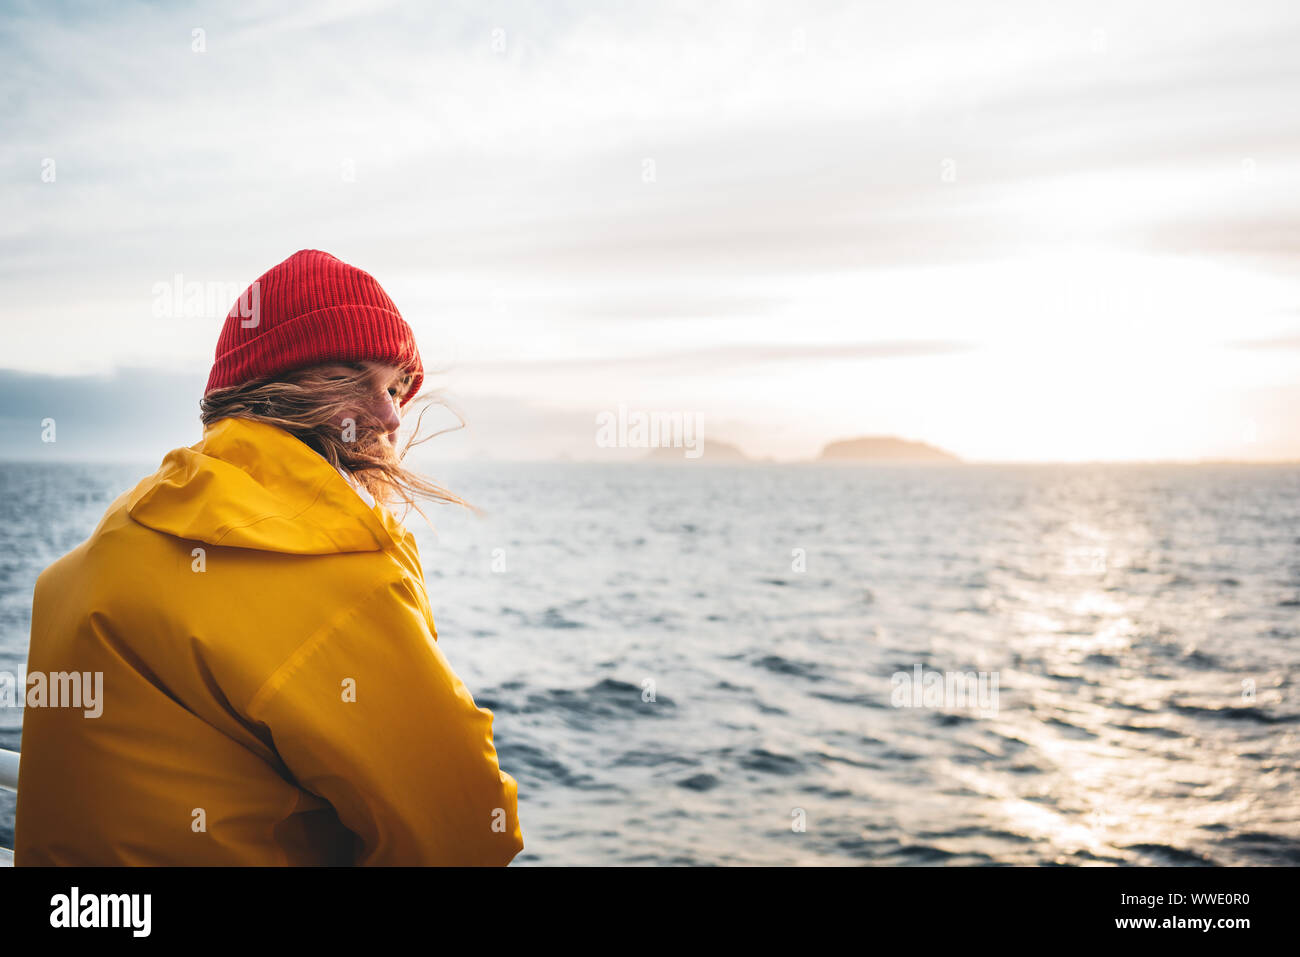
{"points": [[1018, 231]]}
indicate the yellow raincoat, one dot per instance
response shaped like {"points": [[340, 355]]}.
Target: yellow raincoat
{"points": [[272, 690]]}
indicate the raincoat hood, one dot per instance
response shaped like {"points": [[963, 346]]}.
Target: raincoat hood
{"points": [[248, 484]]}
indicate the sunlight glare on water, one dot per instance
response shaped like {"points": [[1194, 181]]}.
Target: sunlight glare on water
{"points": [[668, 688]]}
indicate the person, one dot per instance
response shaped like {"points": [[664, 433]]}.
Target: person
{"points": [[273, 692]]}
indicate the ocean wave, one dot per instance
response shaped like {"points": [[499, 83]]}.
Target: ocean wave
{"points": [[772, 689]]}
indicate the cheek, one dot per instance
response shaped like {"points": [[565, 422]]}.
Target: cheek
{"points": [[380, 409]]}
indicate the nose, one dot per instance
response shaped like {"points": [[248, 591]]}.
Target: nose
{"points": [[389, 416]]}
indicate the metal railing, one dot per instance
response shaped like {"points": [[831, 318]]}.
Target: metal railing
{"points": [[9, 781], [9, 769]]}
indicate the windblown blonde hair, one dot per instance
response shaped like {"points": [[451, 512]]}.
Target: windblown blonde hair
{"points": [[309, 403]]}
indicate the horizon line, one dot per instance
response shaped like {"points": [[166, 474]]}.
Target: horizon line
{"points": [[748, 462]]}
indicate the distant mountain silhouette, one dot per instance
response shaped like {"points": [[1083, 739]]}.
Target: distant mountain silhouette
{"points": [[884, 448], [712, 451]]}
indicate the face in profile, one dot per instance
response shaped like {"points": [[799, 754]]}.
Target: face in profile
{"points": [[380, 390]]}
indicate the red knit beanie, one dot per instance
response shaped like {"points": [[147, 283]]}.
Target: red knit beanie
{"points": [[312, 309]]}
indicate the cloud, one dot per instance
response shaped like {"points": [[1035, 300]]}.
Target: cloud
{"points": [[130, 415], [1276, 342], [686, 178], [711, 360]]}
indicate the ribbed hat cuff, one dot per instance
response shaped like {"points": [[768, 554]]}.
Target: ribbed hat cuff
{"points": [[350, 333]]}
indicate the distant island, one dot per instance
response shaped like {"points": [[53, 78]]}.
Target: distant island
{"points": [[884, 448]]}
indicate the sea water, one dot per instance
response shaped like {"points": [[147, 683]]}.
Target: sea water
{"points": [[702, 664]]}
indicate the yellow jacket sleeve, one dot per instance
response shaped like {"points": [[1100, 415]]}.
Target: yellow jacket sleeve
{"points": [[369, 715]]}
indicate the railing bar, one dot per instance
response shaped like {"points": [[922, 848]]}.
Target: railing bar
{"points": [[9, 769]]}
